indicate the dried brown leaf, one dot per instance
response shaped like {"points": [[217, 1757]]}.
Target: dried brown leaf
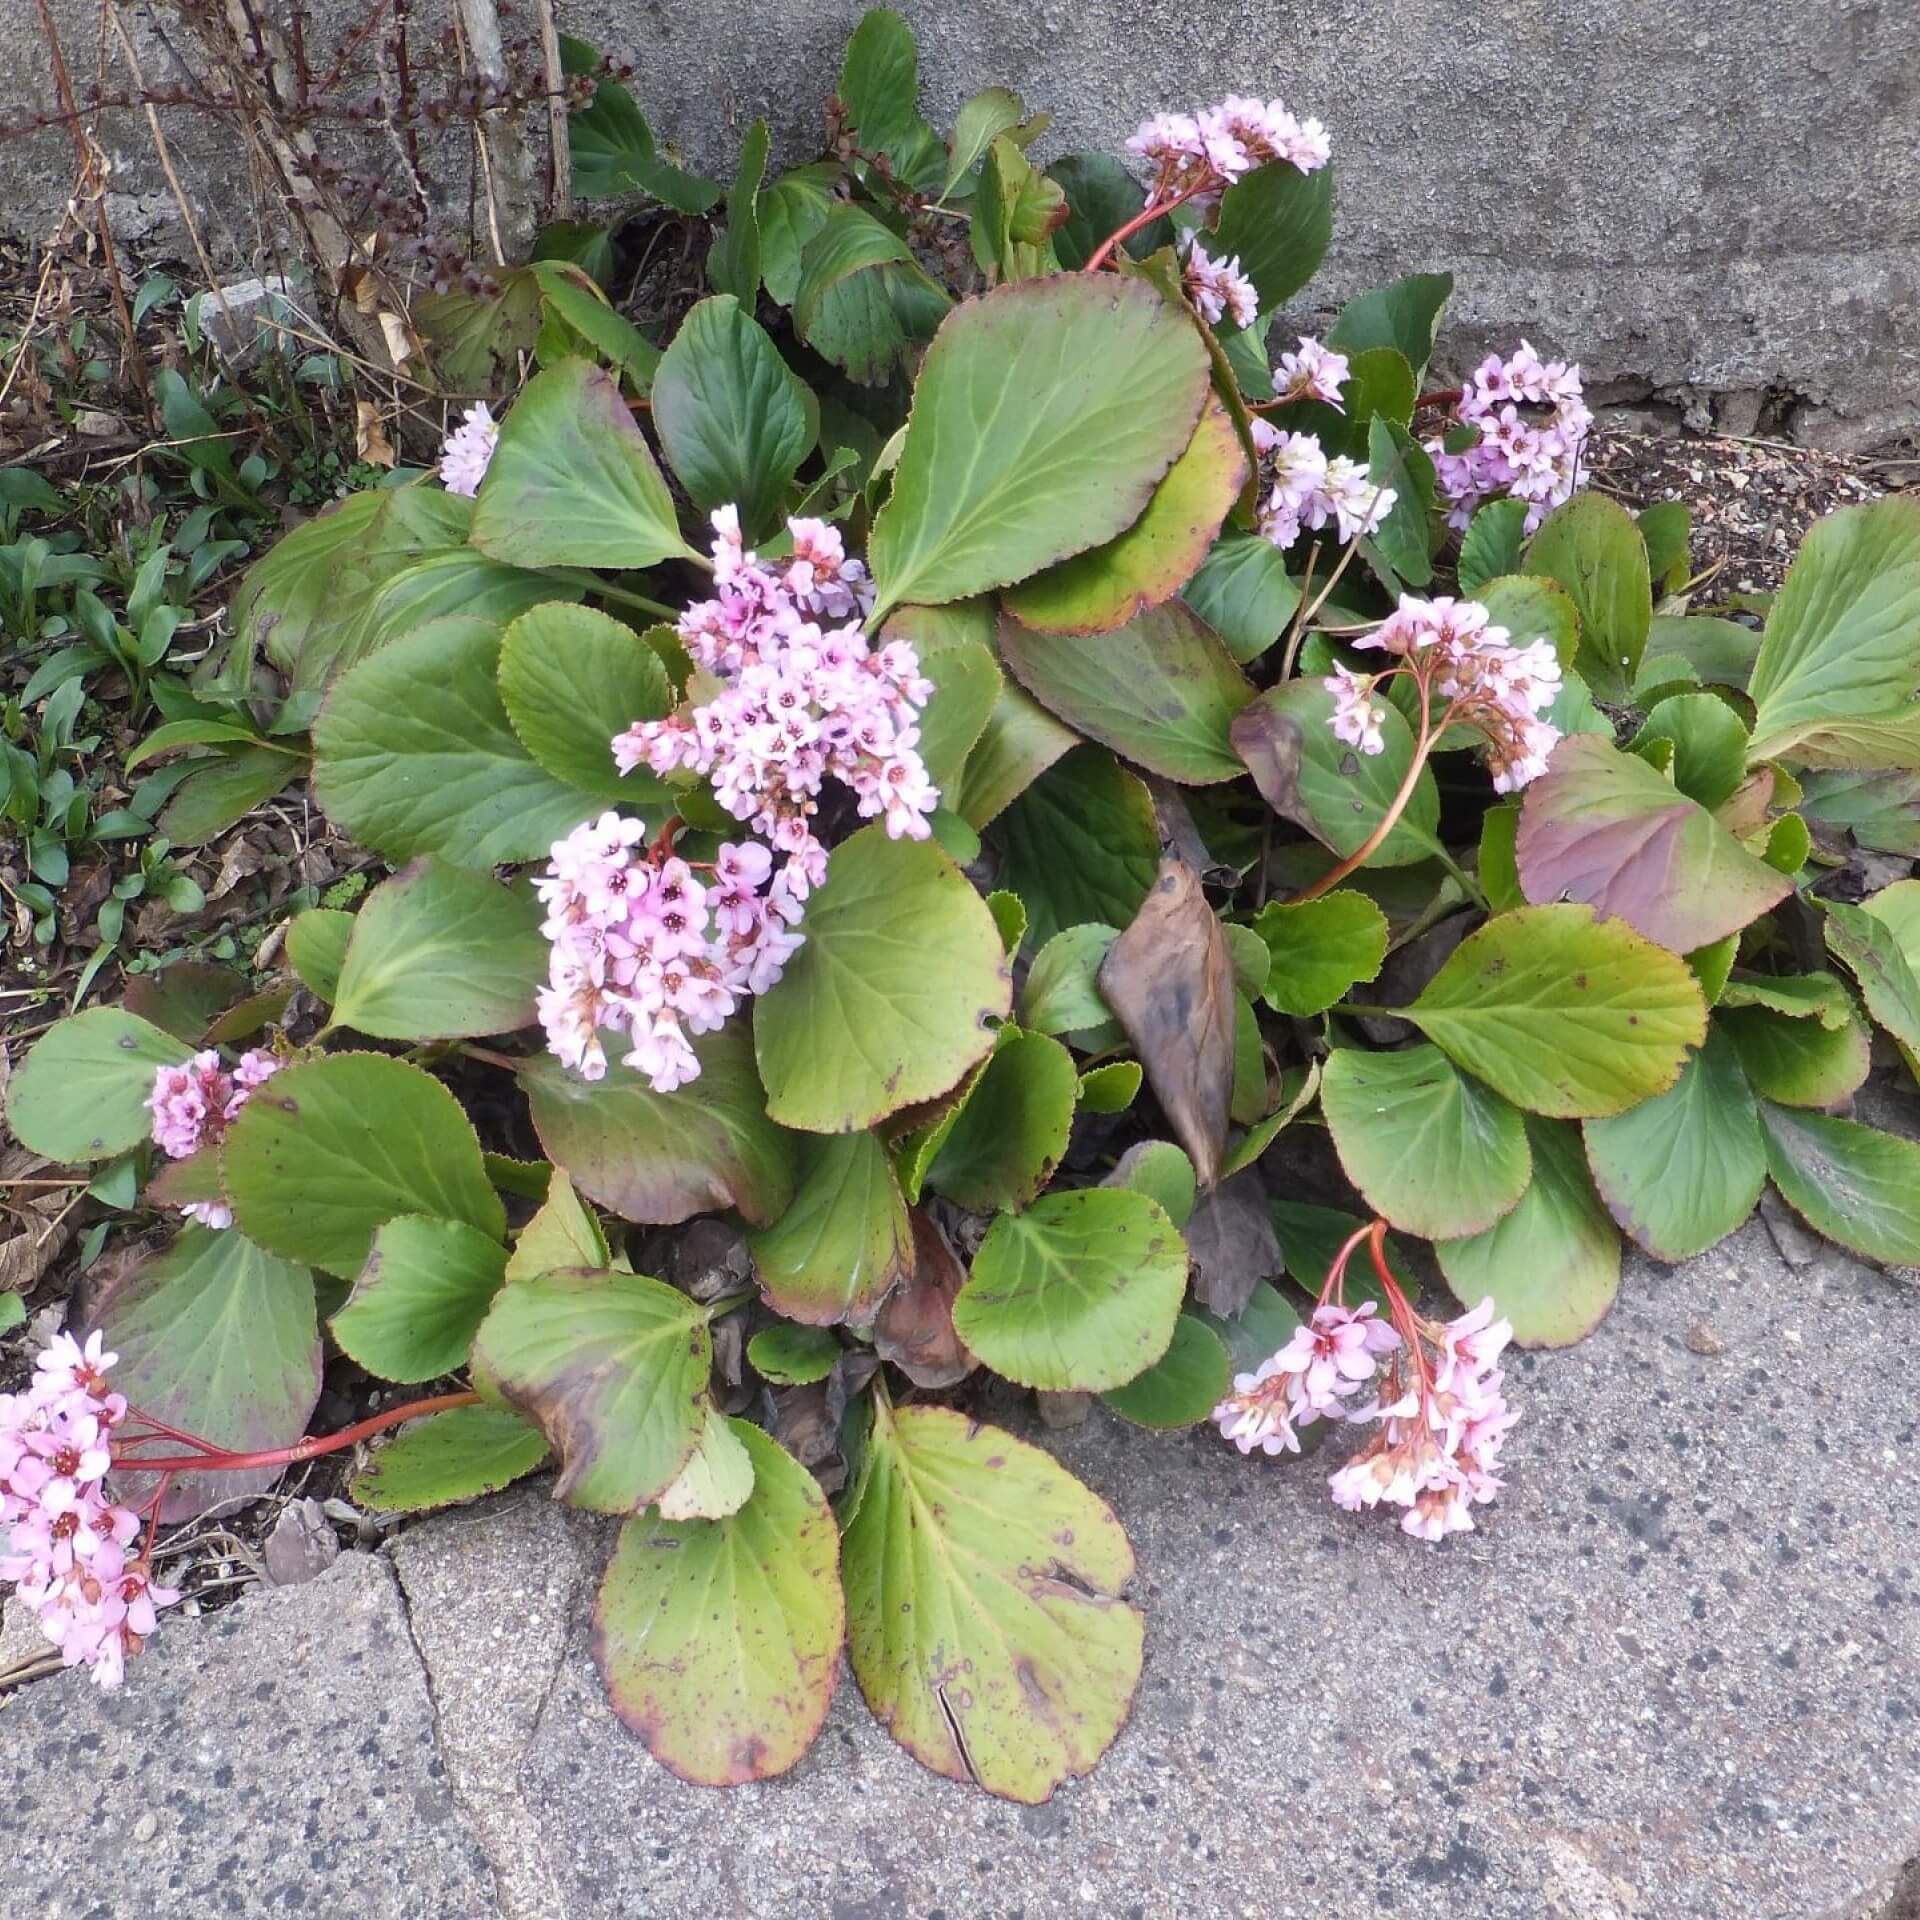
{"points": [[914, 1329]]}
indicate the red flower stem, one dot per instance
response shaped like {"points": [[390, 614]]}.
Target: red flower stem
{"points": [[313, 1445], [663, 840], [1147, 215], [1388, 820], [1335, 1285], [1445, 397]]}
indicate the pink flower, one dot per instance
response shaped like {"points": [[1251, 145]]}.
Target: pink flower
{"points": [[468, 450], [193, 1105], [1312, 372], [1533, 424], [1218, 288], [1309, 489], [1357, 718]]}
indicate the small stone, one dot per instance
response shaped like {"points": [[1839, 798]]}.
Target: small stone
{"points": [[95, 424], [1701, 1338], [145, 1828], [301, 1546], [1062, 1410]]}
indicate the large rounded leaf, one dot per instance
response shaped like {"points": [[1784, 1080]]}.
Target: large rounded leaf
{"points": [[1183, 1386], [1161, 691], [984, 1618], [1838, 666], [1552, 1266], [660, 1158], [570, 679], [1430, 1148], [1012, 1131], [1019, 742], [1800, 1058], [733, 420], [413, 754], [888, 1002], [1680, 1171], [1858, 1186], [455, 1455], [1593, 547], [613, 1367], [572, 483], [420, 1298], [1080, 1292], [219, 1339], [719, 1640], [1107, 586], [839, 1248], [1318, 949], [1564, 1014], [439, 952], [1604, 828], [81, 1093], [1045, 415], [325, 1152], [1277, 222]]}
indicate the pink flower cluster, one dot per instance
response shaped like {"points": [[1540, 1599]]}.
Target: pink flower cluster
{"points": [[66, 1545], [1309, 489], [1492, 686], [798, 700], [1209, 150], [1312, 372], [193, 1106], [468, 450], [641, 946], [1533, 425], [1218, 288], [1438, 1413]]}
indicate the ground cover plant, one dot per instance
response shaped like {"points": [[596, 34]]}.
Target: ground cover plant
{"points": [[898, 801]]}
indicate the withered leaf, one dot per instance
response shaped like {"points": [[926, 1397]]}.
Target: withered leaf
{"points": [[1169, 978], [914, 1329], [1232, 1244]]}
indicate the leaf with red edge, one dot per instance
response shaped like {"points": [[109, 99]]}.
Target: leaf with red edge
{"points": [[1605, 829]]}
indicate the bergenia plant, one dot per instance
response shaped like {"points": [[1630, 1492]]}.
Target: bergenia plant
{"points": [[986, 756]]}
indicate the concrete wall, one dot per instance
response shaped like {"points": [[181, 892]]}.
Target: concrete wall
{"points": [[1694, 197]]}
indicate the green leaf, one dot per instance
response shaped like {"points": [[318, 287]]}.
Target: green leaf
{"points": [[1183, 1386], [1709, 745], [1872, 950], [792, 1356], [733, 262], [1858, 1187], [1102, 196], [1073, 396], [1110, 586], [1492, 544], [1563, 1014], [1304, 774], [733, 420], [976, 126], [1317, 949], [1680, 1171], [880, 81], [586, 314], [1244, 592], [1432, 1150], [717, 1480], [1012, 1132], [476, 339], [1277, 221], [448, 1457], [1667, 528], [563, 1233], [1839, 645], [836, 1251], [1552, 1265], [1062, 990], [1404, 315], [888, 1002], [1081, 844], [420, 1298], [1531, 608], [1718, 652], [219, 1339], [613, 1367], [1396, 460], [791, 212], [1592, 546], [613, 147], [863, 299], [1800, 1039], [1499, 874], [317, 949], [571, 482], [719, 1641], [1605, 829], [1881, 810], [660, 1158], [440, 952], [222, 792], [1112, 1088], [1015, 210], [984, 1618], [1310, 1240], [82, 1091], [1020, 741], [1163, 1173], [1161, 691], [1080, 1292], [570, 679], [327, 1151], [966, 689], [413, 754]]}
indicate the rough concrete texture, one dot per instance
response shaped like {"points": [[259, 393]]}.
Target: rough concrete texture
{"points": [[1710, 196], [278, 1758], [1676, 1676]]}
